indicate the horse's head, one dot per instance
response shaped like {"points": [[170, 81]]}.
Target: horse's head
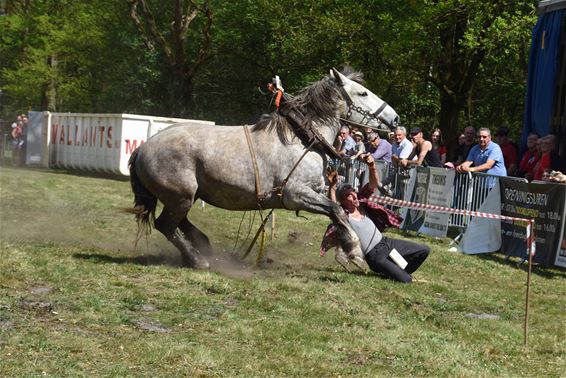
{"points": [[364, 107]]}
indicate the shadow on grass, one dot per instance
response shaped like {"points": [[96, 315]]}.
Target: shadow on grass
{"points": [[139, 260], [539, 270], [227, 265]]}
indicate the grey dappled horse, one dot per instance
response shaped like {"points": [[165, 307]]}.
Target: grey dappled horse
{"points": [[215, 163]]}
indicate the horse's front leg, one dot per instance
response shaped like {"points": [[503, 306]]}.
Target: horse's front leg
{"points": [[348, 249], [349, 244]]}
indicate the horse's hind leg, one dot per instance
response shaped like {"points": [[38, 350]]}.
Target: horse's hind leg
{"points": [[196, 237], [167, 223]]}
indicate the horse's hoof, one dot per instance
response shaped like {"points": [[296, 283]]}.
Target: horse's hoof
{"points": [[202, 265], [198, 263], [343, 260], [358, 262]]}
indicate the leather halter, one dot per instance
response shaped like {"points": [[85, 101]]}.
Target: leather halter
{"points": [[366, 114]]}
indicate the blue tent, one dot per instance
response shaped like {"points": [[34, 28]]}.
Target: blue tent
{"points": [[545, 99]]}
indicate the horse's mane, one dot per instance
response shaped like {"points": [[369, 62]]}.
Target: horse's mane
{"points": [[317, 102]]}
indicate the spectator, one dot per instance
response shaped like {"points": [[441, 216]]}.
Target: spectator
{"points": [[17, 134], [391, 138], [368, 220], [438, 145], [380, 148], [464, 149], [424, 152], [549, 159], [530, 158], [485, 157], [367, 143], [509, 150], [539, 147], [402, 147], [359, 148], [347, 143], [461, 139], [555, 176]]}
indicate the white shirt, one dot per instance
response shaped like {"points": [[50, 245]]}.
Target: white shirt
{"points": [[403, 149]]}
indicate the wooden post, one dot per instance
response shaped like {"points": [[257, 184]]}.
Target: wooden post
{"points": [[531, 241], [272, 235]]}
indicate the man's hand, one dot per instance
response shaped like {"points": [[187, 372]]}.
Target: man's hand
{"points": [[465, 167], [368, 159], [332, 177]]}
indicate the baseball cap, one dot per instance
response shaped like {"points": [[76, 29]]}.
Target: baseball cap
{"points": [[415, 130]]}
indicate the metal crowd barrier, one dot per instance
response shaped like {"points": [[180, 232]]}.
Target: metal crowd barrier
{"points": [[469, 190]]}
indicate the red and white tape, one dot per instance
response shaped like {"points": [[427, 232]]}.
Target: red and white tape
{"points": [[531, 243]]}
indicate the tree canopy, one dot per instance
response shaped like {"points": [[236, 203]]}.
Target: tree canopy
{"points": [[446, 64]]}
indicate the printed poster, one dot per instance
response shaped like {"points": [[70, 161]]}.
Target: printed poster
{"points": [[561, 255], [433, 186], [543, 202]]}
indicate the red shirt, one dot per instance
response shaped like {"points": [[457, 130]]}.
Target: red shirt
{"points": [[529, 161], [543, 164], [442, 150], [509, 154]]}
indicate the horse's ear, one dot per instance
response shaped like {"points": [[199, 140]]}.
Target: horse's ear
{"points": [[336, 75]]}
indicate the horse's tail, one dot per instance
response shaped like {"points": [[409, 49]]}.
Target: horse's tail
{"points": [[144, 201]]}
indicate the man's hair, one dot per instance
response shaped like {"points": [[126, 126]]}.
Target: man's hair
{"points": [[401, 129], [345, 128], [343, 191], [485, 129], [552, 139], [373, 136]]}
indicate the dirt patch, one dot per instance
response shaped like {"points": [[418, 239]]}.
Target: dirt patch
{"points": [[150, 326], [40, 290], [36, 305]]}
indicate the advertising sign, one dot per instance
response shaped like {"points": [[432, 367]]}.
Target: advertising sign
{"points": [[543, 202], [433, 186]]}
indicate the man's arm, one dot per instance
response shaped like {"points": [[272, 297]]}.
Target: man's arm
{"points": [[485, 166], [466, 166], [427, 146], [332, 183], [373, 179]]}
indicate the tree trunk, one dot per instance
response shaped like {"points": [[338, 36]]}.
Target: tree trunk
{"points": [[49, 96], [450, 107]]}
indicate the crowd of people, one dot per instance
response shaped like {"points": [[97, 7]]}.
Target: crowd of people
{"points": [[476, 151]]}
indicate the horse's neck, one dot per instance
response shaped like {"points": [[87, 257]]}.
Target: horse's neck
{"points": [[329, 130]]}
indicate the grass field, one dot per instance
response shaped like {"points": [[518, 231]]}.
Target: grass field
{"points": [[76, 299]]}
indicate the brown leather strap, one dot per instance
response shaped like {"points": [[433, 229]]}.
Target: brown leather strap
{"points": [[306, 133], [254, 162]]}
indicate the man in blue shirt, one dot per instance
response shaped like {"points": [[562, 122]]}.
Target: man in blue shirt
{"points": [[485, 157]]}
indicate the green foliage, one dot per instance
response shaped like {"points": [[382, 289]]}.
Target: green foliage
{"points": [[443, 63]]}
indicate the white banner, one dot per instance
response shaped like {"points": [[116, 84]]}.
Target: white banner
{"points": [[484, 235]]}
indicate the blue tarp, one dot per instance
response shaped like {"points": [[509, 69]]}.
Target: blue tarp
{"points": [[541, 83]]}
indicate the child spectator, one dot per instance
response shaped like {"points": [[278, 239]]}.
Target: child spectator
{"points": [[359, 149]]}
